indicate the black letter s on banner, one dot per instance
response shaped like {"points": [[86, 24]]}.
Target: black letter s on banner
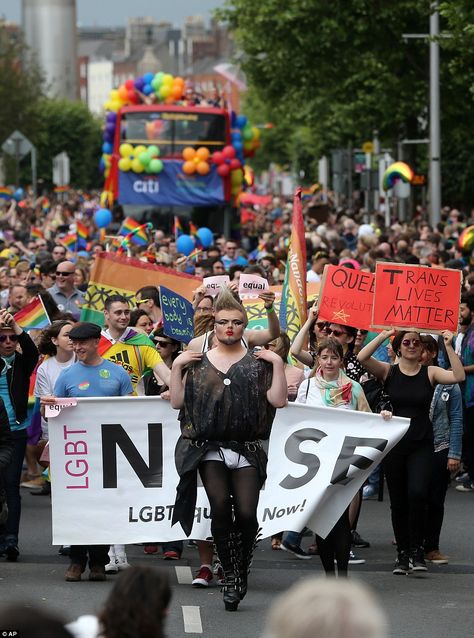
{"points": [[347, 457], [293, 452]]}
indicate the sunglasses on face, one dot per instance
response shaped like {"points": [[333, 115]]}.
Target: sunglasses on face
{"points": [[163, 344], [336, 333], [413, 342], [322, 325], [63, 273], [12, 338], [363, 332]]}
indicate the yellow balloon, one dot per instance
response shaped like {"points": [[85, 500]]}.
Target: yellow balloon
{"points": [[164, 91], [125, 164], [108, 105], [115, 105], [107, 172], [168, 79], [126, 150], [114, 95], [256, 133], [139, 149], [137, 166]]}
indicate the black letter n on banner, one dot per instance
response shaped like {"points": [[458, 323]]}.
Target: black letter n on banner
{"points": [[347, 457], [114, 435], [293, 452]]}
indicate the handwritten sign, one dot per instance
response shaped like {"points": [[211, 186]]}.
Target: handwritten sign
{"points": [[178, 315], [214, 284], [251, 286], [346, 297], [51, 411], [408, 296]]}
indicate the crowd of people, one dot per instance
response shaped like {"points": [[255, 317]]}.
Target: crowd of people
{"points": [[229, 381]]}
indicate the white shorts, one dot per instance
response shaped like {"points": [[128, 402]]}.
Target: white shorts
{"points": [[233, 460]]}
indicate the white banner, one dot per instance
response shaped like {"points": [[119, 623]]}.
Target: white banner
{"points": [[114, 477]]}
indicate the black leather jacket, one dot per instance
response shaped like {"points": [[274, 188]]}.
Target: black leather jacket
{"points": [[18, 376]]}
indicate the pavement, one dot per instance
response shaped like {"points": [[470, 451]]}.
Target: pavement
{"points": [[438, 605]]}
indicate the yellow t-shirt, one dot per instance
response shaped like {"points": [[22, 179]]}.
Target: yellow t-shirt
{"points": [[135, 360]]}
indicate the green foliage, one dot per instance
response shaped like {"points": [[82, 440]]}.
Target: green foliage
{"points": [[328, 74]]}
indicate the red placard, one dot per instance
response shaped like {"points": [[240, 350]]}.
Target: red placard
{"points": [[346, 297], [419, 297]]}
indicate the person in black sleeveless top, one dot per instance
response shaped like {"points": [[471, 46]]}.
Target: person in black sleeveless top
{"points": [[408, 466], [227, 398]]}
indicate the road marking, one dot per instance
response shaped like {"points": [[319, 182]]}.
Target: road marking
{"points": [[184, 575], [192, 619]]}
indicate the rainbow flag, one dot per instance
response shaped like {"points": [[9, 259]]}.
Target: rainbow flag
{"points": [[61, 189], [69, 241], [82, 235], [129, 224], [5, 192], [178, 229], [193, 231], [294, 293], [33, 316], [46, 204], [36, 233]]}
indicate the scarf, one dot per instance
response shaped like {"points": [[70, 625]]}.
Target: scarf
{"points": [[337, 392]]}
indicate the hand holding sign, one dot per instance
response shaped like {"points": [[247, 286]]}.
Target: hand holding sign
{"points": [[54, 409]]}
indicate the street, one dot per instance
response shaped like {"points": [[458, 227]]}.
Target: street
{"points": [[438, 605]]}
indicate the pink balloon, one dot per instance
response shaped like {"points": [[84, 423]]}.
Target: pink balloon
{"points": [[218, 157], [229, 152], [223, 170], [235, 164]]}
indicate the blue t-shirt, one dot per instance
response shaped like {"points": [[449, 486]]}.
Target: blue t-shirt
{"points": [[104, 380]]}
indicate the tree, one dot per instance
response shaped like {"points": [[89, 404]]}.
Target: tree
{"points": [[331, 73]]}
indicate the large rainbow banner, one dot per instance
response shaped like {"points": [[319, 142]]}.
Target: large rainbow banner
{"points": [[293, 297]]}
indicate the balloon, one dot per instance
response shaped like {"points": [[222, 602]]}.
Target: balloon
{"points": [[132, 95], [234, 164], [139, 84], [247, 132], [101, 165], [189, 168], [236, 178], [178, 81], [107, 148], [129, 85], [137, 166], [123, 93], [147, 89], [156, 166], [189, 153], [144, 158], [238, 146], [206, 237], [125, 150], [83, 253], [148, 77], [248, 146], [256, 133], [125, 164], [111, 117], [240, 121], [153, 151], [228, 152], [167, 79], [19, 194], [114, 95], [177, 91], [102, 217], [203, 168], [218, 157], [115, 105], [139, 149], [203, 153], [185, 244], [164, 91], [223, 170]]}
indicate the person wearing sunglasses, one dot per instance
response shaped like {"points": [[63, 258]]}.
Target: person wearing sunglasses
{"points": [[67, 297], [15, 372], [313, 329], [408, 466]]}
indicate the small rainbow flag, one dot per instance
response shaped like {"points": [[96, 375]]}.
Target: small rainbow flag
{"points": [[128, 225], [46, 205], [82, 235], [177, 227], [69, 241], [36, 233], [193, 231], [61, 189], [5, 192], [33, 316]]}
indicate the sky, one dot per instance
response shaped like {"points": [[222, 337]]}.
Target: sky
{"points": [[115, 12]]}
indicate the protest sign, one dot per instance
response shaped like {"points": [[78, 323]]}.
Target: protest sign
{"points": [[346, 297], [114, 474], [178, 315], [214, 284], [408, 296], [250, 286]]}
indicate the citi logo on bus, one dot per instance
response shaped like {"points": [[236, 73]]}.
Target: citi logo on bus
{"points": [[146, 186]]}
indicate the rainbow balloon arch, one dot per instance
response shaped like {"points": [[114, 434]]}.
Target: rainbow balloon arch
{"points": [[164, 88]]}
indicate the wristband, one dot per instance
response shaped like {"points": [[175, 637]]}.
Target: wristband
{"points": [[270, 308]]}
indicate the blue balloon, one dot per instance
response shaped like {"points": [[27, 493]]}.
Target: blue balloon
{"points": [[147, 89], [185, 244], [83, 253], [139, 83], [19, 194], [233, 118], [238, 146], [102, 218], [240, 121], [107, 148], [148, 78], [101, 165], [236, 137], [206, 237], [111, 116]]}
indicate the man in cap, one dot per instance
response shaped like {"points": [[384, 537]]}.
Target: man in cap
{"points": [[90, 376]]}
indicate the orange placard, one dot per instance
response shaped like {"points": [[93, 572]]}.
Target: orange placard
{"points": [[418, 297], [346, 297]]}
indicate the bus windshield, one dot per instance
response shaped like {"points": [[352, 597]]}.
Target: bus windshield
{"points": [[173, 131]]}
